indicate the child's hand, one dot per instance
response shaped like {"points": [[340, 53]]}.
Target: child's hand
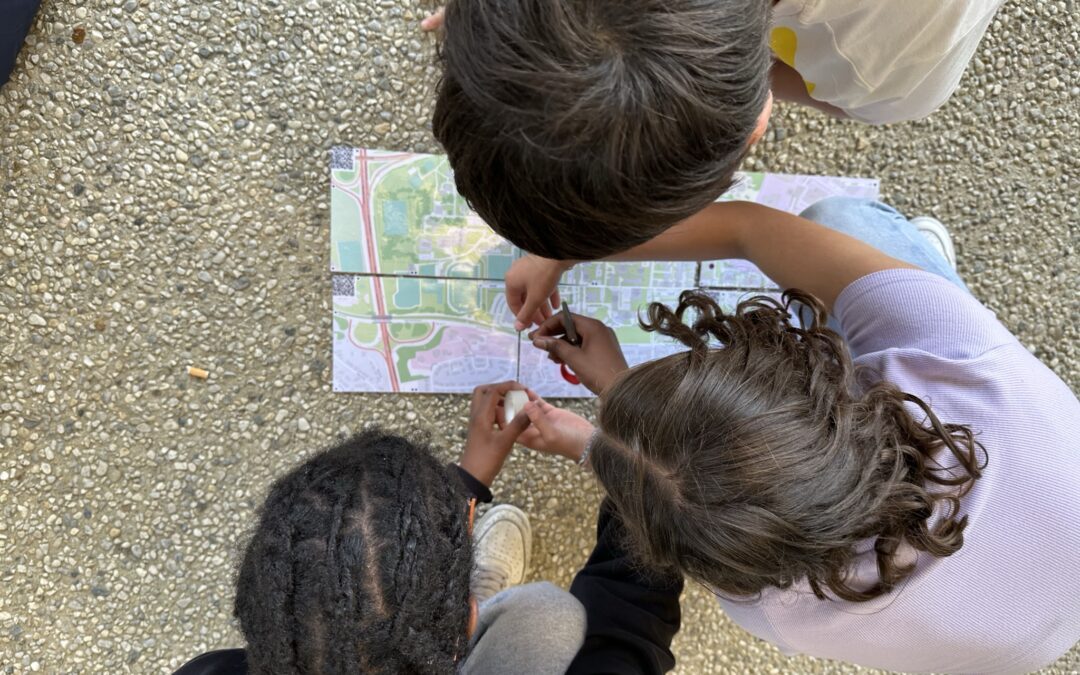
{"points": [[489, 440], [531, 283], [596, 362], [555, 431], [433, 21]]}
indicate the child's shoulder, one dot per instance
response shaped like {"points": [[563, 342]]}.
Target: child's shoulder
{"points": [[880, 61]]}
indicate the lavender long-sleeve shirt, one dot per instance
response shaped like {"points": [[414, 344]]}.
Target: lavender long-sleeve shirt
{"points": [[1009, 600]]}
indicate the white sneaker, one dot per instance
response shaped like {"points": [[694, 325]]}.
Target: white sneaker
{"points": [[938, 236], [502, 541]]}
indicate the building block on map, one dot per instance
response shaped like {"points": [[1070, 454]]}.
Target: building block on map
{"points": [[735, 274], [394, 213], [400, 334], [660, 274]]}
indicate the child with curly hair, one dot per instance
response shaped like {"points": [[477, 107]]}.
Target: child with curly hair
{"points": [[901, 492]]}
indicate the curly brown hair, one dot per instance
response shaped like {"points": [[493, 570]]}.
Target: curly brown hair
{"points": [[765, 462]]}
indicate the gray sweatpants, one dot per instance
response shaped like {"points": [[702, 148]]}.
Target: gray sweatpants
{"points": [[535, 629]]}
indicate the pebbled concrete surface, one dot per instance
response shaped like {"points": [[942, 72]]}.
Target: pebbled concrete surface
{"points": [[163, 191]]}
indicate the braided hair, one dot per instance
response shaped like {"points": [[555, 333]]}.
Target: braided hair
{"points": [[360, 562]]}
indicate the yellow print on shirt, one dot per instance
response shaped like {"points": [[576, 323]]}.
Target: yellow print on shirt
{"points": [[784, 43]]}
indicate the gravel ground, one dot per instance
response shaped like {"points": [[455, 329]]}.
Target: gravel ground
{"points": [[163, 181]]}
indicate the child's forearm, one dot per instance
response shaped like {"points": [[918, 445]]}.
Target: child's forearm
{"points": [[792, 251], [788, 85], [706, 235]]}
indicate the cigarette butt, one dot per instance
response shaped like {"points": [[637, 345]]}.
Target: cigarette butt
{"points": [[198, 372]]}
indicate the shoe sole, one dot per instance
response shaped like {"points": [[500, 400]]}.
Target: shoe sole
{"points": [[514, 515]]}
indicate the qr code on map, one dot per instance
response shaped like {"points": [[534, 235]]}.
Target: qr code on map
{"points": [[342, 157], [343, 285]]}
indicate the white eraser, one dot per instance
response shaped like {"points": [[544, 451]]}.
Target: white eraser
{"points": [[513, 402]]}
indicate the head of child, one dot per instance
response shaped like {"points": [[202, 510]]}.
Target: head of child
{"points": [[764, 463], [577, 128], [360, 562]]}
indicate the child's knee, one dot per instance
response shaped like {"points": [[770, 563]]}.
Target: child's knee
{"points": [[566, 610], [865, 219], [833, 209]]}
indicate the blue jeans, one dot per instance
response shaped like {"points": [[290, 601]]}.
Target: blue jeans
{"points": [[883, 228]]}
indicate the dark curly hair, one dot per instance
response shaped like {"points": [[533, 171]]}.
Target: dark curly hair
{"points": [[765, 462], [359, 564], [579, 128]]}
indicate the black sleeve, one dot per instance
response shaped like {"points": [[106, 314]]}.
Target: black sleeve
{"points": [[472, 485], [18, 16], [632, 615], [220, 662]]}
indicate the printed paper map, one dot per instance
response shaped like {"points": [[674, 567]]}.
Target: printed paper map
{"points": [[418, 296]]}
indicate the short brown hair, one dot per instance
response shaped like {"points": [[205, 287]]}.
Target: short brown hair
{"points": [[766, 461], [579, 128]]}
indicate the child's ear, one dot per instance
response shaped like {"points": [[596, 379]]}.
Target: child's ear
{"points": [[762, 122]]}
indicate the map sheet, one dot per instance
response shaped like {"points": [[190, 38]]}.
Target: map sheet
{"points": [[418, 297]]}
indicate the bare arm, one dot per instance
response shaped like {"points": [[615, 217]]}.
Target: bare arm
{"points": [[792, 251], [788, 85]]}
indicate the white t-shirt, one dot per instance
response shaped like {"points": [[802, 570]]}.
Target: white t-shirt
{"points": [[880, 61]]}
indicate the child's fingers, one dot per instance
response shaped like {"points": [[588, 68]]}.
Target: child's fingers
{"points": [[540, 413], [529, 437], [434, 21], [501, 388], [487, 397], [527, 314], [551, 327], [517, 425], [534, 411], [536, 404]]}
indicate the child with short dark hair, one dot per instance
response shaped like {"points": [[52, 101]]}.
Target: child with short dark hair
{"points": [[578, 129]]}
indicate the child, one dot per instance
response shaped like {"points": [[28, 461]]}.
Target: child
{"points": [[580, 129], [905, 497], [361, 563]]}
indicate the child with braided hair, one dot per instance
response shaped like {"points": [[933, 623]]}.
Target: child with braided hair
{"points": [[363, 561], [901, 492]]}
